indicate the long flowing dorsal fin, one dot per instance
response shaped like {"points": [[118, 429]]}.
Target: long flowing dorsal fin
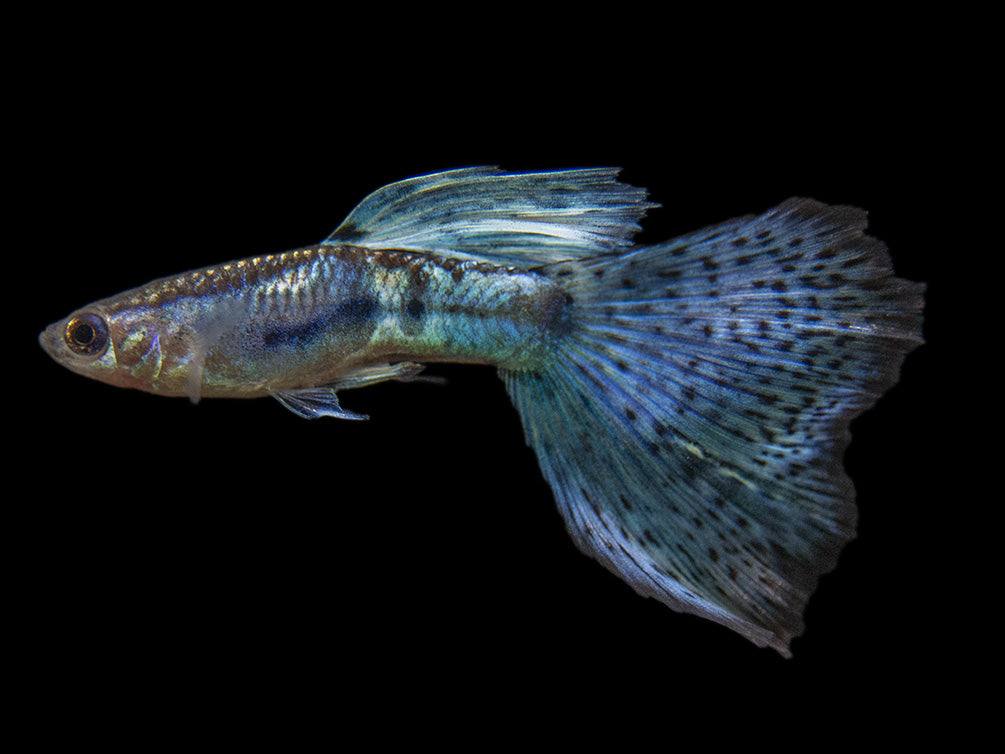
{"points": [[482, 213]]}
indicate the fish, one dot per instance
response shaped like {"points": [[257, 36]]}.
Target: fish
{"points": [[688, 401]]}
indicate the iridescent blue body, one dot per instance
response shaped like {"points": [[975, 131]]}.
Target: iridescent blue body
{"points": [[688, 402]]}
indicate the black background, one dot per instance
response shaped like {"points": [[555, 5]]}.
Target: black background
{"points": [[231, 551]]}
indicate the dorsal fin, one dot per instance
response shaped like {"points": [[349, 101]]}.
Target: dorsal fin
{"points": [[482, 213]]}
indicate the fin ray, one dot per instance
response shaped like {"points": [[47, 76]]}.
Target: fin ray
{"points": [[485, 214], [315, 402], [693, 426]]}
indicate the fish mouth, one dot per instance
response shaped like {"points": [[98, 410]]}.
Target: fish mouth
{"points": [[51, 339]]}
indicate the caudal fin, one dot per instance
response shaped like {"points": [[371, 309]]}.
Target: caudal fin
{"points": [[693, 422]]}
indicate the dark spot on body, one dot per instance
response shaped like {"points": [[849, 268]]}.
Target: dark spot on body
{"points": [[294, 336], [356, 309], [350, 312], [415, 308]]}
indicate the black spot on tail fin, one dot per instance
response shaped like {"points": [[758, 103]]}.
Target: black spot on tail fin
{"points": [[693, 422]]}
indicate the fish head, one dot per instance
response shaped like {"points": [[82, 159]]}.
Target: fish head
{"points": [[119, 345]]}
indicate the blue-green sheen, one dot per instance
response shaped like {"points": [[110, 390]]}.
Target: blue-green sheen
{"points": [[688, 402]]}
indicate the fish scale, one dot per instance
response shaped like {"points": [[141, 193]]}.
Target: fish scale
{"points": [[688, 402], [456, 310]]}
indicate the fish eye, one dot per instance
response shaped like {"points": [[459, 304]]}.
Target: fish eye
{"points": [[86, 334]]}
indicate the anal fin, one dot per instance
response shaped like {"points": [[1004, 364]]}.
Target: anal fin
{"points": [[315, 402], [404, 371]]}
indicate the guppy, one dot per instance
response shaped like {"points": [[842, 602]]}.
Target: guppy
{"points": [[688, 402]]}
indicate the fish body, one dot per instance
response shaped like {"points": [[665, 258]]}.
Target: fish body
{"points": [[688, 402], [308, 317]]}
